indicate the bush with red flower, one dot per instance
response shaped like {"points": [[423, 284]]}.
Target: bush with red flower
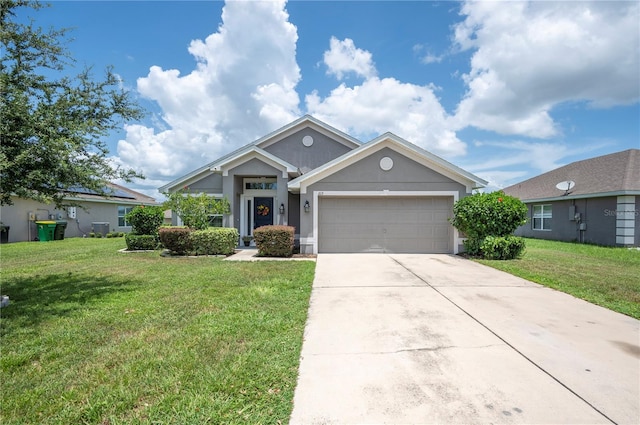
{"points": [[490, 214]]}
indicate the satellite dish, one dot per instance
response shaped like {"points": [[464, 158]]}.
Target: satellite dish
{"points": [[566, 186]]}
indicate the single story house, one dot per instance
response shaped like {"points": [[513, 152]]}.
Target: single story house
{"points": [[594, 201], [341, 195], [95, 213]]}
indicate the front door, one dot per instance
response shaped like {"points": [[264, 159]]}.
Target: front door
{"points": [[262, 212]]}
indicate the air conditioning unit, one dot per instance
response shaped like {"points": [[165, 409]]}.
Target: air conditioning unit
{"points": [[100, 227]]}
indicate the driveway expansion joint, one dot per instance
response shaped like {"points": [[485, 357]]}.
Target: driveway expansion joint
{"points": [[523, 355]]}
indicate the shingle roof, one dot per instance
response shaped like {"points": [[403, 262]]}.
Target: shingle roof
{"points": [[117, 193], [614, 174], [306, 119]]}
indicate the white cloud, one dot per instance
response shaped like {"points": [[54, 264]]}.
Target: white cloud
{"points": [[343, 57], [498, 179], [532, 56], [527, 58], [541, 156], [519, 160], [425, 54], [242, 87], [379, 105]]}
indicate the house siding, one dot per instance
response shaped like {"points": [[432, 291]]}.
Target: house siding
{"points": [[21, 229], [366, 175], [208, 184], [637, 218], [293, 212], [323, 149], [627, 221], [597, 215]]}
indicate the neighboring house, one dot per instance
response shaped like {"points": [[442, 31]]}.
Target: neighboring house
{"points": [[601, 207], [386, 195], [108, 211]]}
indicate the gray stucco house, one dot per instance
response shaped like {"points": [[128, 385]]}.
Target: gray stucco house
{"points": [[602, 206], [92, 208], [341, 195]]}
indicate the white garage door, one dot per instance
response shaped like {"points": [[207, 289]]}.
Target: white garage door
{"points": [[385, 224]]}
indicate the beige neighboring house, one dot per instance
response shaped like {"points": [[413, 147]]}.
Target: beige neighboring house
{"points": [[95, 213]]}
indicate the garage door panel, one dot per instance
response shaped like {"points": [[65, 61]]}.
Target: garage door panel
{"points": [[385, 224]]}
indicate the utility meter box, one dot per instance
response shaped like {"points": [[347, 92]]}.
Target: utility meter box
{"points": [[71, 212]]}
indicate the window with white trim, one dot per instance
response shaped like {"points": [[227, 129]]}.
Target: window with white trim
{"points": [[122, 212], [215, 220], [542, 217]]}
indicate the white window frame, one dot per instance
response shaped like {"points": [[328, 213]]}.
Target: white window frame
{"points": [[259, 192], [127, 209], [544, 215], [211, 216], [179, 221]]}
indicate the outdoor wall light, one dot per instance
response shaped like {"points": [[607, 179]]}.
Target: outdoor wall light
{"points": [[281, 208], [307, 207]]}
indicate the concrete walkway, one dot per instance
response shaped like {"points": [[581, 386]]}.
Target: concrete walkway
{"points": [[250, 254], [417, 339]]}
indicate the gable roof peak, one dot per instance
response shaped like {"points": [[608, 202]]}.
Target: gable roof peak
{"points": [[403, 147], [321, 126]]}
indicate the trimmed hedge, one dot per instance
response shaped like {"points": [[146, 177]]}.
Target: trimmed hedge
{"points": [[274, 241], [214, 241], [211, 241], [502, 247], [141, 242], [176, 239]]}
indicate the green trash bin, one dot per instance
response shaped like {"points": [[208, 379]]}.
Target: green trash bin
{"points": [[4, 233], [46, 230], [58, 234]]}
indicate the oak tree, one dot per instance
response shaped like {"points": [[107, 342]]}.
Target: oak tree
{"points": [[53, 126]]}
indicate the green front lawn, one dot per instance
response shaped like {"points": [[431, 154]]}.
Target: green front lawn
{"points": [[94, 336], [609, 277]]}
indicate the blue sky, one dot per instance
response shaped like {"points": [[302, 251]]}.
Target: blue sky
{"points": [[506, 90]]}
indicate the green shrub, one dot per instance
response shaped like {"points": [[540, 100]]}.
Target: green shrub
{"points": [[176, 239], [92, 235], [145, 220], [484, 215], [274, 241], [502, 247], [214, 241], [473, 246], [141, 242], [194, 210], [488, 214]]}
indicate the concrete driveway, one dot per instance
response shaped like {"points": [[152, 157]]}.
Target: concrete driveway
{"points": [[415, 339]]}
